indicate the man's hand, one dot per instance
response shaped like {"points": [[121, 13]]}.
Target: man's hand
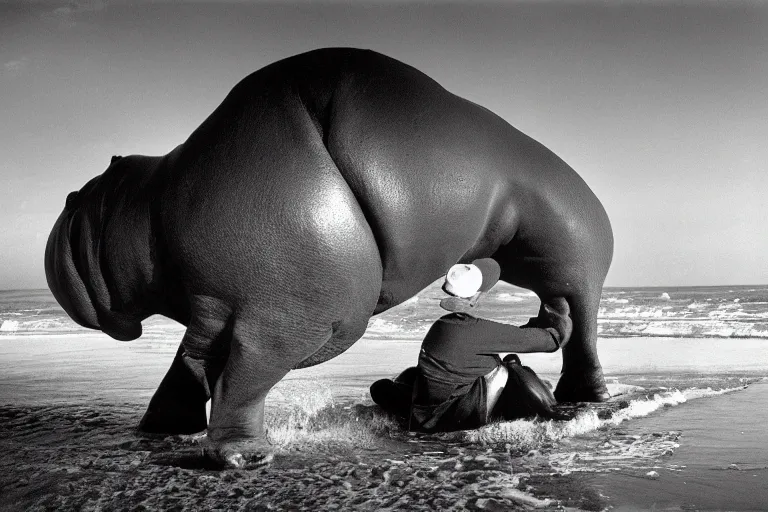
{"points": [[456, 305], [555, 314], [460, 305]]}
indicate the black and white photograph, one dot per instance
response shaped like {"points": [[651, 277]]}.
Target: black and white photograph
{"points": [[383, 255]]}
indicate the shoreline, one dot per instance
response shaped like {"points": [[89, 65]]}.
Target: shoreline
{"points": [[88, 455]]}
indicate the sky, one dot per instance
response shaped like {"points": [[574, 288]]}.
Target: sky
{"points": [[661, 107]]}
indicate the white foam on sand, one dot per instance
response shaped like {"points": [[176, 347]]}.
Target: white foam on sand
{"points": [[533, 436], [309, 414]]}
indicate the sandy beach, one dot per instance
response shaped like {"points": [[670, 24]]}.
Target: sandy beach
{"points": [[70, 405]]}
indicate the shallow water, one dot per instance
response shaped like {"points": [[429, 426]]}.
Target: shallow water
{"points": [[721, 463]]}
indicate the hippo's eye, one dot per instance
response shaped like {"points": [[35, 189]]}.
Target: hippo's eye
{"points": [[71, 198]]}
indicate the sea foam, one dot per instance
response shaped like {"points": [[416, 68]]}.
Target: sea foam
{"points": [[9, 326], [308, 413]]}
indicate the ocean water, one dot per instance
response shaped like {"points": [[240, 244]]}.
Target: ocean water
{"points": [[685, 430], [690, 312]]}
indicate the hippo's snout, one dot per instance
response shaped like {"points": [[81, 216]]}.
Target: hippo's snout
{"points": [[62, 276]]}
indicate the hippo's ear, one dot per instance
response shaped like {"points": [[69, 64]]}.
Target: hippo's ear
{"points": [[70, 201], [114, 159]]}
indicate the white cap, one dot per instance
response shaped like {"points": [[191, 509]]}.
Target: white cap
{"points": [[463, 280]]}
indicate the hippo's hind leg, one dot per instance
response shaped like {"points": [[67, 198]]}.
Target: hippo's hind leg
{"points": [[582, 378], [236, 434], [178, 405]]}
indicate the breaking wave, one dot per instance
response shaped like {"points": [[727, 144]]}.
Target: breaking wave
{"points": [[530, 435], [705, 312]]}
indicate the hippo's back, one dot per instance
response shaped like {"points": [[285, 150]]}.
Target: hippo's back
{"points": [[437, 179], [442, 180]]}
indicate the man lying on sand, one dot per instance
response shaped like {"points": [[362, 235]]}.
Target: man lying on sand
{"points": [[460, 381]]}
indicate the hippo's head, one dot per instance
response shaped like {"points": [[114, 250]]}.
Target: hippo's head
{"points": [[75, 265]]}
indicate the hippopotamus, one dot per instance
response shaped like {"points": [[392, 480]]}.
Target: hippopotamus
{"points": [[326, 188]]}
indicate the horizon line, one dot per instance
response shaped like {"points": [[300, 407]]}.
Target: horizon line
{"points": [[604, 287]]}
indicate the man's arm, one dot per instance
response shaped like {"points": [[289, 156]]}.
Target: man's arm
{"points": [[549, 331], [489, 337]]}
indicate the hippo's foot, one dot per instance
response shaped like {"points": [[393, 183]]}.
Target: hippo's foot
{"points": [[582, 385], [173, 419], [238, 454]]}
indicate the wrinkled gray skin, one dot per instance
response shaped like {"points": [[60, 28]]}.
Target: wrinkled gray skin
{"points": [[326, 188]]}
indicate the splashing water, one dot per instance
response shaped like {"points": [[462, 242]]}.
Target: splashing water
{"points": [[309, 419]]}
